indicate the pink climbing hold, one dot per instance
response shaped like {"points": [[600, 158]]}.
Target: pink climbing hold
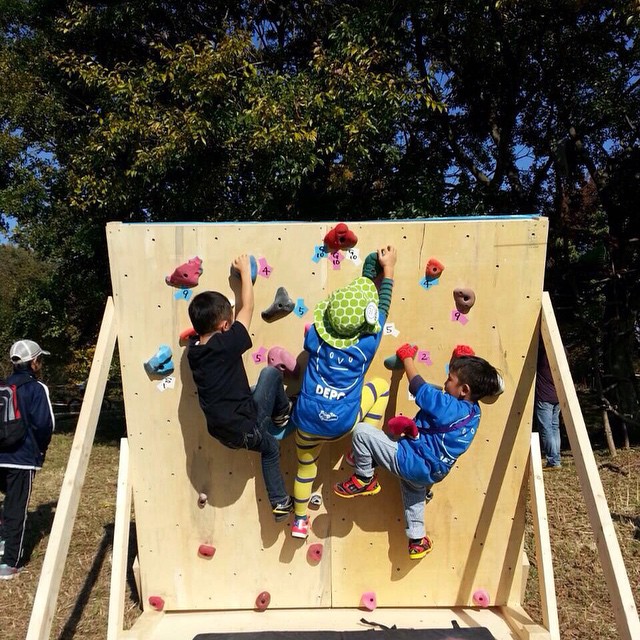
{"points": [[263, 600], [369, 600], [206, 551], [281, 359], [481, 598], [156, 602], [314, 552], [186, 275]]}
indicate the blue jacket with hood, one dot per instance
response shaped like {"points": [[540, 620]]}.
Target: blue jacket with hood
{"points": [[36, 410]]}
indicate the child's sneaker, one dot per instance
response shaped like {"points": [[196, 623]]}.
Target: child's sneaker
{"points": [[7, 572], [282, 419], [355, 487], [282, 510], [420, 549], [349, 458], [300, 527]]}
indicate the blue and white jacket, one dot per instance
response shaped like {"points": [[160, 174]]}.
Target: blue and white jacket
{"points": [[446, 428], [331, 391], [36, 410]]}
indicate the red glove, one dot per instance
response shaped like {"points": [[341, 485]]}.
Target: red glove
{"points": [[407, 351], [462, 350], [403, 426]]}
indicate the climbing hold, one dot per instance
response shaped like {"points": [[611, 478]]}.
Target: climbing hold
{"points": [[403, 426], [160, 363], [263, 600], [282, 360], [254, 270], [481, 598], [464, 299], [315, 500], [393, 363], [206, 551], [369, 600], [462, 350], [202, 500], [314, 553], [281, 306], [340, 237], [434, 269], [185, 334], [156, 602], [186, 275]]}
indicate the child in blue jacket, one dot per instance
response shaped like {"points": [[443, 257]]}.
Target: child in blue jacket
{"points": [[441, 432], [19, 463]]}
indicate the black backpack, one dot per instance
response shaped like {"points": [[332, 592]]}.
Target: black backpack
{"points": [[13, 428]]}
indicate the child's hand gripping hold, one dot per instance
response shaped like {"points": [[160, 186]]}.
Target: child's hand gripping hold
{"points": [[407, 351]]}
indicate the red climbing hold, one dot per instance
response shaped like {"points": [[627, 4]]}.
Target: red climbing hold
{"points": [[156, 602], [462, 350], [433, 269], [369, 600], [186, 334], [187, 274], [340, 237], [263, 600], [206, 551], [314, 553]]}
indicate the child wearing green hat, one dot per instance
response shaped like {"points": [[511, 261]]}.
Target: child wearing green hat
{"points": [[341, 343]]}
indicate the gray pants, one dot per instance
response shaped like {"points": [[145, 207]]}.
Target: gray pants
{"points": [[372, 446]]}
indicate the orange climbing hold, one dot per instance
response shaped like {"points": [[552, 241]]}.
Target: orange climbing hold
{"points": [[433, 269]]}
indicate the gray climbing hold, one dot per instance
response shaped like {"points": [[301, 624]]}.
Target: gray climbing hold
{"points": [[281, 306]]}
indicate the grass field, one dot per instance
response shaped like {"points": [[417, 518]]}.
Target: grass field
{"points": [[584, 605]]}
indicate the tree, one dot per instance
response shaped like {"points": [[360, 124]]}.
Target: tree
{"points": [[325, 110]]}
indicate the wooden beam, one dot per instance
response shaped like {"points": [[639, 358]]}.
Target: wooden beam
{"points": [[624, 607], [522, 625], [543, 542], [46, 597], [117, 591]]}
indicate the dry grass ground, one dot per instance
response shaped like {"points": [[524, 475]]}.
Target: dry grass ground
{"points": [[584, 604]]}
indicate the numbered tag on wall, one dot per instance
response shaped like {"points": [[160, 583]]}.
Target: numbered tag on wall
{"points": [[183, 294], [167, 383]]}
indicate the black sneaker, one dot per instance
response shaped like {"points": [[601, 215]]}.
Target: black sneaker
{"points": [[282, 419], [282, 510]]}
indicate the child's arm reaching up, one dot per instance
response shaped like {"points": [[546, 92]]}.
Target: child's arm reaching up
{"points": [[244, 312], [406, 353]]}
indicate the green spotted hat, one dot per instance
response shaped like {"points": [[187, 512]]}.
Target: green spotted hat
{"points": [[348, 313]]}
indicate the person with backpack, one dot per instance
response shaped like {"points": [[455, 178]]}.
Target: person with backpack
{"points": [[20, 460]]}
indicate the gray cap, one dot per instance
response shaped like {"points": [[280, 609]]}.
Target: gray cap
{"points": [[25, 351]]}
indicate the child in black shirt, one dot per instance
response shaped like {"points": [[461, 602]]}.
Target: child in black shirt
{"points": [[236, 416]]}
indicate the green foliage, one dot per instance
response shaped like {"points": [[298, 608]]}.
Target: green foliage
{"points": [[325, 110]]}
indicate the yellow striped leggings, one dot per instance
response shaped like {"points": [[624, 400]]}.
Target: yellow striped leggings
{"points": [[373, 404]]}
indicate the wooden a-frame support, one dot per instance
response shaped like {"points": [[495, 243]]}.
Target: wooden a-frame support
{"points": [[625, 611]]}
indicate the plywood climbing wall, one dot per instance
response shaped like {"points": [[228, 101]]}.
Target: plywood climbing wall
{"points": [[476, 518]]}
